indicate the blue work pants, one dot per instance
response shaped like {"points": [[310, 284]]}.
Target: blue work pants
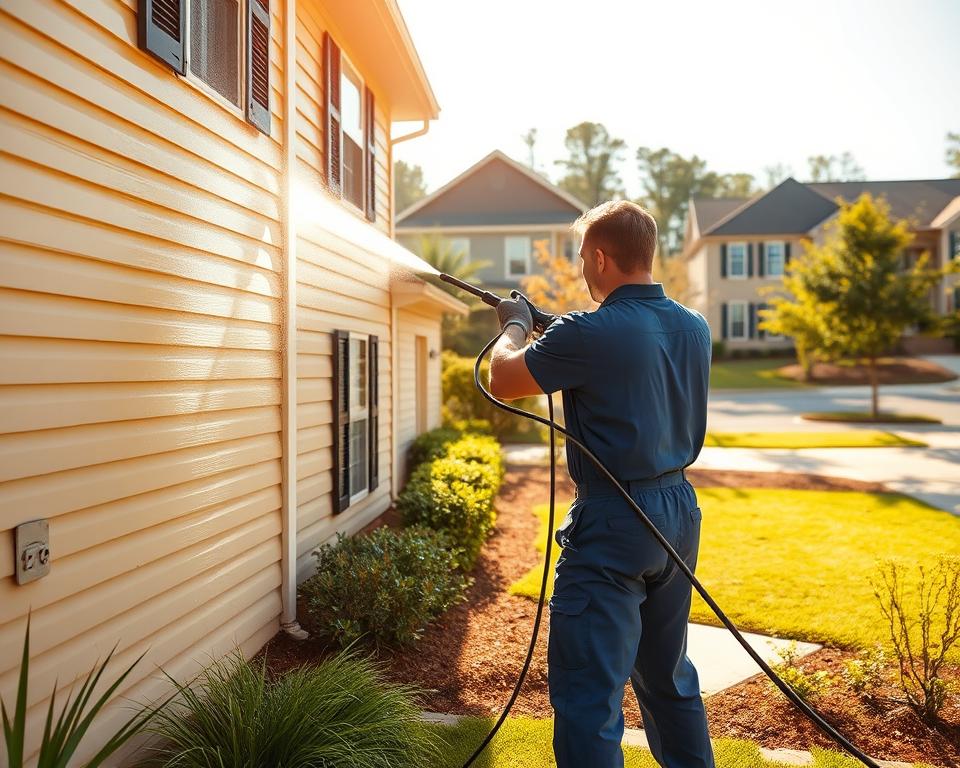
{"points": [[619, 610]]}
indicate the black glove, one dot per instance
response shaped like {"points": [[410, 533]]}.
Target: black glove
{"points": [[515, 312]]}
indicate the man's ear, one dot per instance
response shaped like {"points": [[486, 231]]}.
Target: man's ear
{"points": [[601, 259]]}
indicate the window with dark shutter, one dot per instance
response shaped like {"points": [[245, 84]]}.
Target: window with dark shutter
{"points": [[723, 321], [723, 260], [258, 64], [373, 388], [160, 30], [752, 325], [749, 259], [370, 160], [786, 253], [331, 63], [341, 421], [760, 259]]}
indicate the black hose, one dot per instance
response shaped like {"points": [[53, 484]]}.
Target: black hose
{"points": [[807, 710]]}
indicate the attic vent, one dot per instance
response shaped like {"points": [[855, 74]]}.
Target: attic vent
{"points": [[166, 15]]}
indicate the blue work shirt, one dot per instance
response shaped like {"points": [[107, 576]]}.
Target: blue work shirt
{"points": [[634, 375]]}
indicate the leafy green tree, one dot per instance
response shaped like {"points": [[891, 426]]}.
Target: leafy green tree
{"points": [[408, 185], [834, 168], [796, 314], [440, 254], [864, 294], [953, 153], [592, 164]]}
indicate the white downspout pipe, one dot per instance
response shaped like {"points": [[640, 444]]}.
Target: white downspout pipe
{"points": [[288, 553]]}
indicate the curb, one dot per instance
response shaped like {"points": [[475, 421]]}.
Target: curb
{"points": [[635, 737]]}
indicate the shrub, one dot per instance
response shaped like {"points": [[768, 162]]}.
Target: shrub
{"points": [[340, 712], [385, 586], [472, 426], [803, 684], [431, 445], [719, 350], [453, 496], [864, 674], [924, 625], [480, 449]]}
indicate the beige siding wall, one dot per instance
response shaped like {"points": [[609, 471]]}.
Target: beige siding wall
{"points": [[140, 392], [726, 289], [411, 324], [340, 285]]}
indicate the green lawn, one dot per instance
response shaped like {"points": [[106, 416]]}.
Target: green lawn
{"points": [[796, 563], [750, 374], [866, 438], [524, 742], [865, 417]]}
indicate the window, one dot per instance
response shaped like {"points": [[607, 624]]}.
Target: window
{"points": [[773, 254], [570, 249], [355, 417], [214, 52], [517, 251], [352, 125], [736, 259], [458, 245], [954, 245], [737, 320]]}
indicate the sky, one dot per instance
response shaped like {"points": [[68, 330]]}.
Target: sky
{"points": [[743, 84]]}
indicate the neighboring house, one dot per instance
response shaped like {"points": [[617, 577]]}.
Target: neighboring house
{"points": [[208, 367], [735, 247], [495, 211]]}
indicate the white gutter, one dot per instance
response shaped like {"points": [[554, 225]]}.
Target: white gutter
{"points": [[288, 551], [413, 135]]}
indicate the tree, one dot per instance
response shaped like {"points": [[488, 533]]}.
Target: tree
{"points": [[670, 180], [440, 255], [796, 315], [863, 294], [953, 153], [530, 139], [776, 174], [408, 186], [560, 288], [833, 168], [592, 174]]}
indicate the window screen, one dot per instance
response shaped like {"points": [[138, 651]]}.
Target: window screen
{"points": [[215, 45]]}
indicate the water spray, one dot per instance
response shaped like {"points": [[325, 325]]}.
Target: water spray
{"points": [[541, 320]]}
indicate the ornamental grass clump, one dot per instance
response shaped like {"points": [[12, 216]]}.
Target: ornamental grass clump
{"points": [[384, 587], [456, 497], [340, 712]]}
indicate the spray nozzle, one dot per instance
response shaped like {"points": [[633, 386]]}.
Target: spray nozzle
{"points": [[540, 319]]}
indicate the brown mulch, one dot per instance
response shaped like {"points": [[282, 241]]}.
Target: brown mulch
{"points": [[472, 655], [880, 725], [890, 370]]}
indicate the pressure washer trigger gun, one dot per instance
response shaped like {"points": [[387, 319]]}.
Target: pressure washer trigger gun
{"points": [[541, 319]]}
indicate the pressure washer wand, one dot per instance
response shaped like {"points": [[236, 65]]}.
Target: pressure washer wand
{"points": [[541, 319]]}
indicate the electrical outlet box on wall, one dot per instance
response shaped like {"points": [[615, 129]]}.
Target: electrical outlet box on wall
{"points": [[32, 550]]}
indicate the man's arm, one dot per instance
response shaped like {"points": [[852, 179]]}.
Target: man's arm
{"points": [[509, 376]]}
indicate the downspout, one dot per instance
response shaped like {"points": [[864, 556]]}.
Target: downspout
{"points": [[407, 136], [288, 553]]}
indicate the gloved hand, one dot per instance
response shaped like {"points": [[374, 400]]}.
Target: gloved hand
{"points": [[516, 312]]}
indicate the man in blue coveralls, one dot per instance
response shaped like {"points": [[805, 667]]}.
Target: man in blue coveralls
{"points": [[634, 375]]}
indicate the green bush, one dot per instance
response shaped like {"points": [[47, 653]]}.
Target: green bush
{"points": [[454, 496], [385, 586], [719, 350], [481, 449], [340, 712], [472, 426], [803, 683], [865, 673], [431, 445]]}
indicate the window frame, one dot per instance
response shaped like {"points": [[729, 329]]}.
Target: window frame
{"points": [[196, 82], [354, 409], [746, 320], [347, 64], [730, 273], [507, 258], [766, 258]]}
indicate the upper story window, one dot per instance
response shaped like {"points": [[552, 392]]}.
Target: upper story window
{"points": [[517, 253], [350, 140], [214, 50], [773, 255], [736, 259]]}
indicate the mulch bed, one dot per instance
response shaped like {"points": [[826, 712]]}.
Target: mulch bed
{"points": [[471, 657], [897, 370]]}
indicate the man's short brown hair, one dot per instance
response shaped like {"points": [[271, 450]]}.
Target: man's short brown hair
{"points": [[624, 231]]}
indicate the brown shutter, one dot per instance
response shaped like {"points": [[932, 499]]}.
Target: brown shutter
{"points": [[331, 65], [341, 421], [370, 155], [373, 390], [258, 65], [160, 30]]}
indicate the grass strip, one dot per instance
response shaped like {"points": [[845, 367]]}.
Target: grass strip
{"points": [[848, 439], [796, 563], [865, 417]]}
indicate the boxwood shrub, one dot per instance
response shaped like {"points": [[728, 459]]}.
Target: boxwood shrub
{"points": [[455, 496], [385, 586]]}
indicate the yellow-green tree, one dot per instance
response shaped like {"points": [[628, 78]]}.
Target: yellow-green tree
{"points": [[797, 316], [861, 285], [560, 288]]}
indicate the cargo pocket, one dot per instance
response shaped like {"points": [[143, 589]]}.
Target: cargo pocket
{"points": [[564, 534], [568, 645]]}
